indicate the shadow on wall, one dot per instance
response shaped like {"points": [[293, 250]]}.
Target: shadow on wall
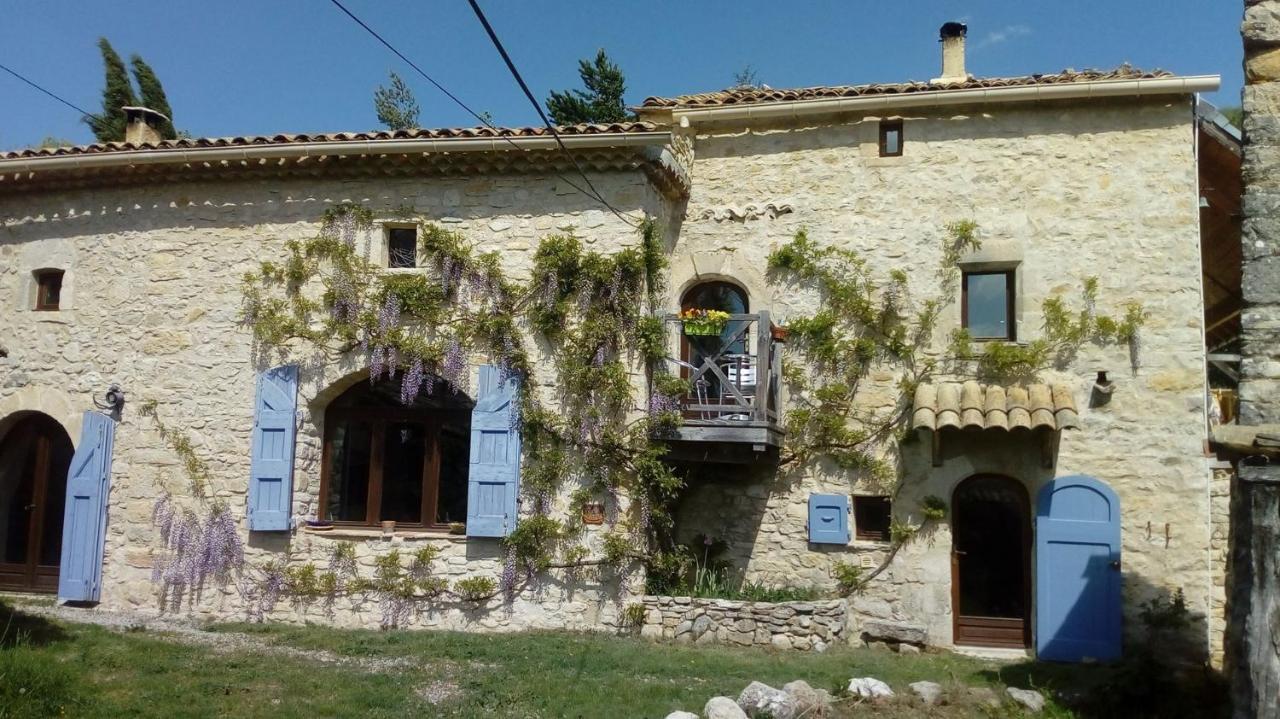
{"points": [[1164, 671], [720, 514]]}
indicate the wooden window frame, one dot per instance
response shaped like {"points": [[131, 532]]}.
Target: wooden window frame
{"points": [[1010, 297], [887, 126], [389, 230], [861, 504], [378, 419], [43, 279]]}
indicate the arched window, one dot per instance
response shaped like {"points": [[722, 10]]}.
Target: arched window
{"points": [[387, 461], [726, 297], [34, 457]]}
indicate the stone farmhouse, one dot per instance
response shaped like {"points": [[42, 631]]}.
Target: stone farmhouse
{"points": [[229, 474]]}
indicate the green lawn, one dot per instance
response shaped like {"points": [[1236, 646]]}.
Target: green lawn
{"points": [[64, 669]]}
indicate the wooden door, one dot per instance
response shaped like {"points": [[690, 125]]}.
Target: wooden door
{"points": [[34, 457], [991, 563], [1078, 602]]}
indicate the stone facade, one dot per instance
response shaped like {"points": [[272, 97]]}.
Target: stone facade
{"points": [[1061, 191], [782, 625], [155, 307]]}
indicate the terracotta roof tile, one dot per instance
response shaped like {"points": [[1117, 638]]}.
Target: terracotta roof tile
{"points": [[617, 128], [971, 405], [751, 96]]}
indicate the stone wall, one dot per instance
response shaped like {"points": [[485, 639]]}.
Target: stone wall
{"points": [[1062, 191], [1219, 534], [155, 307], [784, 625], [1253, 656]]}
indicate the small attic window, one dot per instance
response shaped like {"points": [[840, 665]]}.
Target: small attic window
{"points": [[402, 247], [48, 289], [891, 138]]}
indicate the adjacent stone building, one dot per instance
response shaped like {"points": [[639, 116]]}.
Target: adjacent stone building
{"points": [[123, 264]]}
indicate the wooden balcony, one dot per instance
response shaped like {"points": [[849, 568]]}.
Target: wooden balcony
{"points": [[731, 413]]}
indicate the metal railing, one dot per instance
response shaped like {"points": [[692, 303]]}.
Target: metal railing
{"points": [[729, 383]]}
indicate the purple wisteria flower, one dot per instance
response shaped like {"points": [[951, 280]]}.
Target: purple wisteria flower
{"points": [[411, 383], [377, 364], [598, 360], [389, 315], [455, 366], [393, 361], [507, 582]]}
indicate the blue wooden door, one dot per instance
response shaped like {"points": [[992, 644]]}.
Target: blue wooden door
{"points": [[84, 522], [1078, 606], [493, 481]]}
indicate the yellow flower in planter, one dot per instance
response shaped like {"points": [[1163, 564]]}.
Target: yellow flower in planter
{"points": [[704, 323]]}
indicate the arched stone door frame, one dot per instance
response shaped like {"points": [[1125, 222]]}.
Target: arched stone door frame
{"points": [[976, 628]]}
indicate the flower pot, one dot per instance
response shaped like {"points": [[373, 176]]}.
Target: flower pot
{"points": [[457, 528], [593, 513], [697, 328], [779, 334]]}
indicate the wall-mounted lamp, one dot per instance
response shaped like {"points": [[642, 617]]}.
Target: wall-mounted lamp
{"points": [[1102, 390], [112, 401]]}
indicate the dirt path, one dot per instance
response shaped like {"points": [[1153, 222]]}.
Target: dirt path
{"points": [[190, 632]]}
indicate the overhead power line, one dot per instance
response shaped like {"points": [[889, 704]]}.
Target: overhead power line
{"points": [[536, 105], [32, 83], [479, 118]]}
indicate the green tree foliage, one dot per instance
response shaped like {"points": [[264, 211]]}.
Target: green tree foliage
{"points": [[602, 100], [153, 94], [108, 125], [396, 106]]}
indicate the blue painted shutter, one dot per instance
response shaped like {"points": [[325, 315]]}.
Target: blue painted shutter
{"points": [[829, 518], [84, 519], [493, 483], [271, 472], [1078, 598]]}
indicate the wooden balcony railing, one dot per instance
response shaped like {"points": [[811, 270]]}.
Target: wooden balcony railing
{"points": [[734, 379]]}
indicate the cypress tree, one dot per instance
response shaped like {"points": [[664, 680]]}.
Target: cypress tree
{"points": [[108, 125], [602, 100], [153, 94]]}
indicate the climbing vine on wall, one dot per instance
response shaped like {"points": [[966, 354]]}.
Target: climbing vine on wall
{"points": [[596, 313], [865, 321]]}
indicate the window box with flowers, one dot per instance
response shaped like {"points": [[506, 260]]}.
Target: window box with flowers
{"points": [[704, 323]]}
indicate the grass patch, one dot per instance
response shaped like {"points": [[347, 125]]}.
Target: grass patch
{"points": [[50, 669]]}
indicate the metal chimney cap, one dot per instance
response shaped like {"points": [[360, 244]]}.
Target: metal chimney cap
{"points": [[953, 29]]}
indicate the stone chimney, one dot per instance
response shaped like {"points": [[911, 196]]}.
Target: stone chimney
{"points": [[952, 34], [142, 125]]}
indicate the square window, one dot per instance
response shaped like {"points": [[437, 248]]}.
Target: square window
{"points": [[891, 138], [986, 305], [48, 289], [402, 247], [871, 518]]}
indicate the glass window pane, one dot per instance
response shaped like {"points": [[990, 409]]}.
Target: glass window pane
{"points": [[404, 451], [988, 302], [402, 247], [349, 471], [55, 495], [455, 454], [17, 483], [892, 141]]}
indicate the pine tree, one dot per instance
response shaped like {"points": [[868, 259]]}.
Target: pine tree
{"points": [[108, 125], [395, 105], [153, 94], [602, 100]]}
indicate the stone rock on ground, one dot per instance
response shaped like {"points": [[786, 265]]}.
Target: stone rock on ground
{"points": [[760, 700], [869, 688], [682, 715], [1031, 699], [908, 649], [875, 629], [810, 702], [984, 695], [722, 708], [929, 692]]}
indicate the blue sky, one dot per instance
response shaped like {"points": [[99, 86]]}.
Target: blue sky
{"points": [[238, 67]]}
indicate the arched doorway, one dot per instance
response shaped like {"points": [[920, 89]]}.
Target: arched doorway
{"points": [[34, 457], [694, 350], [991, 562]]}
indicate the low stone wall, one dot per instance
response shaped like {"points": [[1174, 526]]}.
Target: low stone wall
{"points": [[787, 625]]}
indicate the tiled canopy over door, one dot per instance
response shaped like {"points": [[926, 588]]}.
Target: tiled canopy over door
{"points": [[84, 521]]}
